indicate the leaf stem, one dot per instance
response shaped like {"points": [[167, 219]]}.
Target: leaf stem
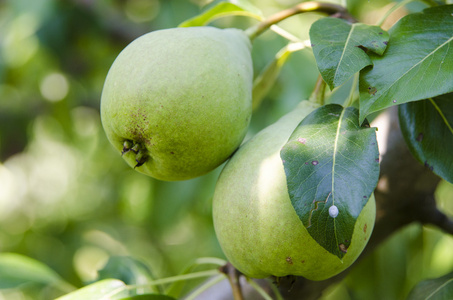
{"points": [[276, 291], [282, 32], [213, 281], [183, 277], [259, 289], [391, 10], [189, 276], [310, 6], [210, 260]]}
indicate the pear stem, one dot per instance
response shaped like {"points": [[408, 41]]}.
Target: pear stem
{"points": [[233, 277], [310, 6]]}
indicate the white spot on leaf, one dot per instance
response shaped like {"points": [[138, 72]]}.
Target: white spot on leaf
{"points": [[333, 211]]}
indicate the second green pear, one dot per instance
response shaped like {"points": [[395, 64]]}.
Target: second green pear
{"points": [[255, 222], [177, 102]]}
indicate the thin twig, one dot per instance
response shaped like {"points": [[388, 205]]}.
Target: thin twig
{"points": [[310, 6]]}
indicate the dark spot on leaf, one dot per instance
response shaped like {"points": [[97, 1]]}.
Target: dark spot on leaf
{"points": [[364, 197], [343, 248], [373, 143], [362, 47], [380, 33], [386, 43], [312, 45], [302, 140], [172, 152], [377, 159], [314, 163], [364, 228], [420, 137], [428, 166], [372, 90], [303, 261], [289, 260], [306, 163]]}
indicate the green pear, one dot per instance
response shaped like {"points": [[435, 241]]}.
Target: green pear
{"points": [[255, 222], [177, 102]]}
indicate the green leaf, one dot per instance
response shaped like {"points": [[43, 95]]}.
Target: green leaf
{"points": [[149, 297], [418, 62], [433, 289], [340, 48], [266, 79], [128, 270], [16, 270], [329, 161], [107, 289], [224, 9], [427, 127]]}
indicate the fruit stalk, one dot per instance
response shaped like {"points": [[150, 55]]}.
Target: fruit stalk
{"points": [[233, 277], [311, 6]]}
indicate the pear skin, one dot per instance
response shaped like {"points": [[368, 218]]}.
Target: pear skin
{"points": [[255, 222], [177, 102]]}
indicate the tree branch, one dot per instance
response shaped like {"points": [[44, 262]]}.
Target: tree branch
{"points": [[430, 214], [331, 9]]}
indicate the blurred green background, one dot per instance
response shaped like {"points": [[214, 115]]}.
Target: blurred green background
{"points": [[67, 198]]}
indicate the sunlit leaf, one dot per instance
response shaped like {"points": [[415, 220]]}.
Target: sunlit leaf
{"points": [[332, 167], [418, 62], [16, 270], [107, 289], [433, 289], [340, 48], [224, 9], [427, 126]]}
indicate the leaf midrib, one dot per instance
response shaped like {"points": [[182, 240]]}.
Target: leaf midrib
{"points": [[439, 288], [335, 150], [411, 68], [439, 111], [343, 52]]}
